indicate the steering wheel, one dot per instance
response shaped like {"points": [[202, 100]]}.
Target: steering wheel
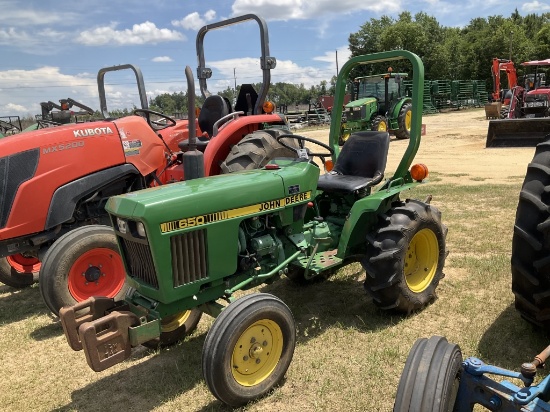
{"points": [[45, 123], [301, 140], [156, 125]]}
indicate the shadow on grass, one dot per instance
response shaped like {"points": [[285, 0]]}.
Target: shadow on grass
{"points": [[511, 341], [144, 386], [336, 302], [340, 303], [19, 304]]}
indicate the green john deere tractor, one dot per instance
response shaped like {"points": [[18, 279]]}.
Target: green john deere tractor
{"points": [[379, 104], [188, 247]]}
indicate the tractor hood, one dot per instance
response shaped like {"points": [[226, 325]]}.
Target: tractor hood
{"points": [[360, 102], [215, 193]]}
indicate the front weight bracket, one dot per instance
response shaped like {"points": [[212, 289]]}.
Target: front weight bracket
{"points": [[106, 341]]}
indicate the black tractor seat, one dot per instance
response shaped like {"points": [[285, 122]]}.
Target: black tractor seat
{"points": [[214, 108], [361, 163]]}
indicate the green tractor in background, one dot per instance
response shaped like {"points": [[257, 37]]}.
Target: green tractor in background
{"points": [[379, 103], [188, 247]]}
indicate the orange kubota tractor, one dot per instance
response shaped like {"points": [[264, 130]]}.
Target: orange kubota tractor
{"points": [[54, 182], [500, 103]]}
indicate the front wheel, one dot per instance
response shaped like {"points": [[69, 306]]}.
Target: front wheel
{"points": [[431, 377], [248, 349], [82, 263], [405, 257], [379, 124], [19, 271]]}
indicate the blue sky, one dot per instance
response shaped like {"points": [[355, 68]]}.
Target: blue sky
{"points": [[52, 50]]}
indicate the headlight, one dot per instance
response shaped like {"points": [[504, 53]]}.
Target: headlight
{"points": [[122, 225], [140, 229]]}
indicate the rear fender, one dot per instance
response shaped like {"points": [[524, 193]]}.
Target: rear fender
{"points": [[364, 215]]}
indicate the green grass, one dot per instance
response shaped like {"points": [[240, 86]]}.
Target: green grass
{"points": [[349, 354]]}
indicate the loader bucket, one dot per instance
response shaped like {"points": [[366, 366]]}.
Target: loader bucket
{"points": [[492, 110], [525, 132]]}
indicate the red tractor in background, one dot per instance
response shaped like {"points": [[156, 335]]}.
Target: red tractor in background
{"points": [[54, 182], [500, 98]]}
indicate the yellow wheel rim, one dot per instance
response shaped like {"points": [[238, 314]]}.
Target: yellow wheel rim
{"points": [[421, 260], [257, 352], [382, 127], [408, 117], [345, 136], [171, 323]]}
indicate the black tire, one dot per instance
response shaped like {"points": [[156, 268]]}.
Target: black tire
{"points": [[431, 377], [379, 124], [255, 150], [404, 122], [237, 337], [93, 247], [530, 259], [175, 328], [405, 257], [14, 276]]}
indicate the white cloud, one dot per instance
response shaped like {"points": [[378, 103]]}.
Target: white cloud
{"points": [[162, 59], [535, 7], [248, 71], [15, 15], [194, 21], [13, 109], [139, 34], [308, 9], [23, 90]]}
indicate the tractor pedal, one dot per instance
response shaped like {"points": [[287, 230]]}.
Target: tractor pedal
{"points": [[106, 341], [86, 311]]}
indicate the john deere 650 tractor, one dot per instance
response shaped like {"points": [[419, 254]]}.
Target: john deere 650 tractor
{"points": [[379, 104], [189, 246]]}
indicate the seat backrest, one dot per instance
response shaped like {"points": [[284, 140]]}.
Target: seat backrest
{"points": [[213, 109], [243, 103], [364, 155]]}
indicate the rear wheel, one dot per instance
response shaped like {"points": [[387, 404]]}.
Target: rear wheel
{"points": [[531, 242], [20, 270], [431, 377], [255, 150], [404, 122], [82, 263], [248, 349], [175, 327], [405, 257]]}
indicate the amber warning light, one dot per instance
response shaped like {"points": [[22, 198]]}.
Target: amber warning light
{"points": [[419, 172]]}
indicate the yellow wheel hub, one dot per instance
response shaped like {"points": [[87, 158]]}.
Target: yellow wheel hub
{"points": [[408, 117], [421, 260], [382, 127], [171, 323], [257, 352]]}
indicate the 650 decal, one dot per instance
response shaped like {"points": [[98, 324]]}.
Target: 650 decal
{"points": [[62, 147]]}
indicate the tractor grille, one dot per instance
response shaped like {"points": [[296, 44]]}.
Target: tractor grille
{"points": [[14, 170], [352, 114], [188, 257], [139, 261]]}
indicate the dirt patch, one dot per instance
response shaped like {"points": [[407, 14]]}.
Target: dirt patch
{"points": [[454, 150]]}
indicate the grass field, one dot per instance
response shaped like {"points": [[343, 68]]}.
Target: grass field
{"points": [[349, 355]]}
